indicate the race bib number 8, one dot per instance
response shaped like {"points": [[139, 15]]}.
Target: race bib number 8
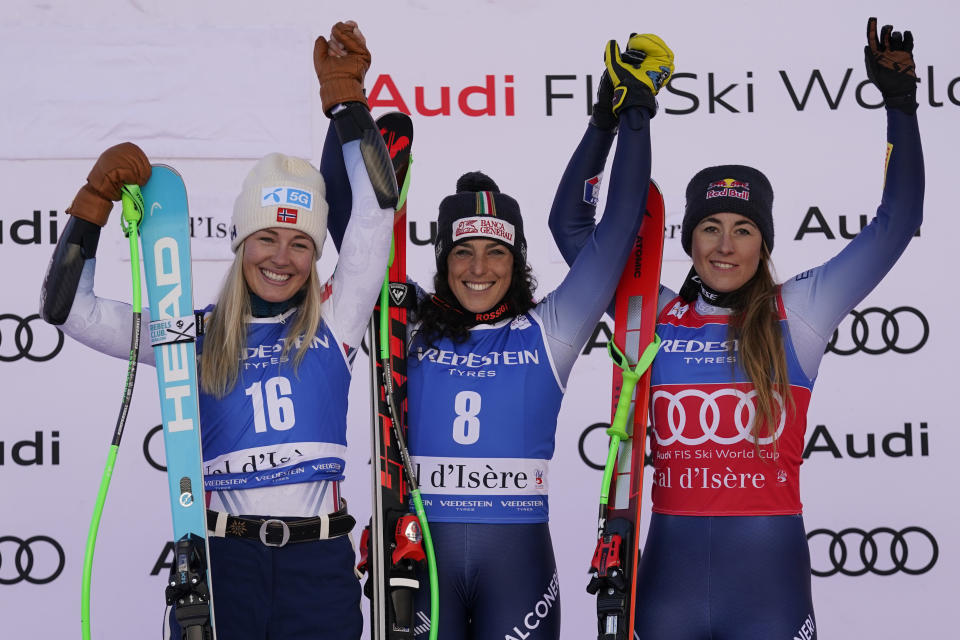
{"points": [[466, 426]]}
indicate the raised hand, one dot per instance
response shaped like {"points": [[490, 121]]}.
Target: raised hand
{"points": [[341, 64], [639, 72], [121, 164], [890, 65]]}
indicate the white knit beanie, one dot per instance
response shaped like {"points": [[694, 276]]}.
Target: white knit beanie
{"points": [[284, 192]]}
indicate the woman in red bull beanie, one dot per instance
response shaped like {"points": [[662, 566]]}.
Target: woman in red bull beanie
{"points": [[726, 555]]}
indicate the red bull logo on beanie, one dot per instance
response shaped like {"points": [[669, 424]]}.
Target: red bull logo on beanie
{"points": [[484, 227], [730, 188]]}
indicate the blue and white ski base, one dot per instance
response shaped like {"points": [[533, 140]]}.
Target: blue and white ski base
{"points": [[165, 238]]}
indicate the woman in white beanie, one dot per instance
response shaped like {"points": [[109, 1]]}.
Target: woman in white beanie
{"points": [[274, 364]]}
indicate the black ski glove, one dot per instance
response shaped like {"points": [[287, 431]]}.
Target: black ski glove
{"points": [[639, 72], [890, 66], [602, 116]]}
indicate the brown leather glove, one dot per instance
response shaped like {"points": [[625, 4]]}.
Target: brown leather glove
{"points": [[341, 79], [122, 164]]}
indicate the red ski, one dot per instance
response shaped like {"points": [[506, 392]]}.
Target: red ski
{"points": [[632, 348], [392, 546]]}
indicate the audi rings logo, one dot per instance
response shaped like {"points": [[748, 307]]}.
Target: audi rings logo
{"points": [[875, 331], [882, 551], [706, 409], [17, 338], [37, 560], [594, 444], [152, 460]]}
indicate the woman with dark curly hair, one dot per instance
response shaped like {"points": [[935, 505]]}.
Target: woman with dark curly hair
{"points": [[487, 366]]}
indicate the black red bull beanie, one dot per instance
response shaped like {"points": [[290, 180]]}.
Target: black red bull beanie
{"points": [[479, 210], [729, 188]]}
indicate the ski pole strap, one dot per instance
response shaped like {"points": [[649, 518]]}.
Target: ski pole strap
{"points": [[402, 200], [630, 378], [132, 202], [279, 532]]}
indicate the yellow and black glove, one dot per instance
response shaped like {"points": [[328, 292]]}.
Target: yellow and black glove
{"points": [[890, 66], [639, 72]]}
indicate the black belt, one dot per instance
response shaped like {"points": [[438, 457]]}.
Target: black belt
{"points": [[277, 532]]}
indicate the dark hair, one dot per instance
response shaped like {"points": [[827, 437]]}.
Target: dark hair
{"points": [[439, 321]]}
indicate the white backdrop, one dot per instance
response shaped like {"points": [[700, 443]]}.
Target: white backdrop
{"points": [[210, 87]]}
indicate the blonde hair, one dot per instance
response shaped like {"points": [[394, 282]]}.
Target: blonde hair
{"points": [[226, 329], [761, 352]]}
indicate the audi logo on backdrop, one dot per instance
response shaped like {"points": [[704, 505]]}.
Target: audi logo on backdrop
{"points": [[875, 330], [159, 465], [594, 452], [37, 559], [882, 551], [30, 338]]}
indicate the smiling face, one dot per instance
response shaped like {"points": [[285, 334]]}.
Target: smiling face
{"points": [[479, 273], [726, 250], [277, 262]]}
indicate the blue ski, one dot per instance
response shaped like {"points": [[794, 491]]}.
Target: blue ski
{"points": [[165, 238]]}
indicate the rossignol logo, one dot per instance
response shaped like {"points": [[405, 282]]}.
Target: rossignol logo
{"points": [[492, 315], [882, 551], [899, 443], [36, 560], [875, 331], [31, 230], [41, 449], [399, 294], [728, 188], [484, 227], [28, 338], [273, 196]]}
